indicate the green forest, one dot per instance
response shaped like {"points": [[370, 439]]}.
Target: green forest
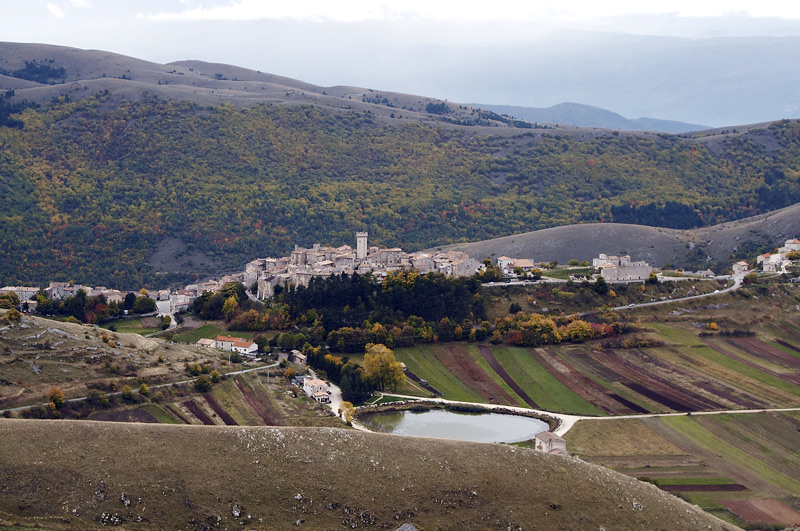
{"points": [[90, 187]]}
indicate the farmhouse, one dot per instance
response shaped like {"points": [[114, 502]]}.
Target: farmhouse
{"points": [[740, 268], [298, 357], [203, 342], [507, 265], [236, 344], [316, 389]]}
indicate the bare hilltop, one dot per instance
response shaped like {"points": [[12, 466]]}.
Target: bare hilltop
{"points": [[718, 244], [187, 477]]}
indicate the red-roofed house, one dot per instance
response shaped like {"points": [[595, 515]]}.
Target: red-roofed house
{"points": [[236, 344]]}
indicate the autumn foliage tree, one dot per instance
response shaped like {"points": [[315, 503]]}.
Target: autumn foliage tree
{"points": [[381, 367]]}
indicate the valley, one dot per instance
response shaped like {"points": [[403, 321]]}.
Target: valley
{"points": [[174, 400], [738, 467]]}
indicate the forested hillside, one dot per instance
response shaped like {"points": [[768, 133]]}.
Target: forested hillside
{"points": [[90, 187]]}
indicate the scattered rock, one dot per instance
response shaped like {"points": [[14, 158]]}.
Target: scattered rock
{"points": [[111, 519]]}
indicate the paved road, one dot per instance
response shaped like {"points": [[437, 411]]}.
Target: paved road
{"points": [[737, 283]]}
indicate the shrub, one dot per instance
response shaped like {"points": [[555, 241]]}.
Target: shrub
{"points": [[203, 384], [127, 392], [56, 397]]}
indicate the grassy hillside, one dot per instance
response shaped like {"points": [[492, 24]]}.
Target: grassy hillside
{"points": [[111, 170], [275, 478], [716, 246]]}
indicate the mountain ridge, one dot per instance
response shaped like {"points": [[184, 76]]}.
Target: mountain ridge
{"points": [[107, 169], [581, 115]]}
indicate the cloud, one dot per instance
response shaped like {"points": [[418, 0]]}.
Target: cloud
{"points": [[469, 10], [55, 10], [79, 3]]}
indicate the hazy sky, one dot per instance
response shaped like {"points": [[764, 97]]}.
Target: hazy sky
{"points": [[373, 43]]}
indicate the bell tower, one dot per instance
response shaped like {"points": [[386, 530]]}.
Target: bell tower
{"points": [[361, 245]]}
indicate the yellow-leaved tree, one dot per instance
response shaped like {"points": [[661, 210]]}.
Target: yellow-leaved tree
{"points": [[382, 368]]}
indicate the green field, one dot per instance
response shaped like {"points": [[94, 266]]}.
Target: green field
{"points": [[207, 331], [695, 481], [534, 379], [423, 363], [752, 455], [483, 364], [542, 387], [159, 414], [131, 326]]}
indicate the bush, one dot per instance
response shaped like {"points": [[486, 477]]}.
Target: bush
{"points": [[56, 397], [203, 384], [127, 392]]}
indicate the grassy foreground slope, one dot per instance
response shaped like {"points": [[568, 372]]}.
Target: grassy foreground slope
{"points": [[70, 474]]}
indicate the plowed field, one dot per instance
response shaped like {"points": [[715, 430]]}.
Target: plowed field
{"points": [[461, 364]]}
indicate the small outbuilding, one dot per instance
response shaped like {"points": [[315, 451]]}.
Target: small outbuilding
{"points": [[549, 442]]}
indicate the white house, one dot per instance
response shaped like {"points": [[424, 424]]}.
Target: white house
{"points": [[316, 389], [236, 344], [792, 245], [740, 268], [505, 263]]}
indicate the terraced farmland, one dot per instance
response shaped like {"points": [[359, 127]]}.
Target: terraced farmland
{"points": [[688, 374], [736, 466]]}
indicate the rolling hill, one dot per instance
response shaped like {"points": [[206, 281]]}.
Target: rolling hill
{"points": [[705, 246], [101, 474], [117, 162], [588, 116]]}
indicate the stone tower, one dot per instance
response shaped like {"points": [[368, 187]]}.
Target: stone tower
{"points": [[361, 245]]}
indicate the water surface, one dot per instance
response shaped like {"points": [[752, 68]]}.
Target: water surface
{"points": [[479, 427]]}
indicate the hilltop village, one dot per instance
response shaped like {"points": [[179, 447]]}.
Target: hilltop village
{"points": [[263, 276], [304, 264]]}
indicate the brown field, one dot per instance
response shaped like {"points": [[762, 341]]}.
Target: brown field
{"points": [[256, 403], [488, 355], [219, 410], [728, 487], [126, 415], [581, 384], [620, 438], [461, 364], [273, 478], [192, 406], [758, 348], [760, 510]]}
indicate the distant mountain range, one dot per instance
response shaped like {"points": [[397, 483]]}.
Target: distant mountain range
{"points": [[587, 116]]}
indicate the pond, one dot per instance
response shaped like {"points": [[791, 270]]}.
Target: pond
{"points": [[479, 427]]}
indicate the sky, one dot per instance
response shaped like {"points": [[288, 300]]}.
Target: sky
{"points": [[401, 46]]}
